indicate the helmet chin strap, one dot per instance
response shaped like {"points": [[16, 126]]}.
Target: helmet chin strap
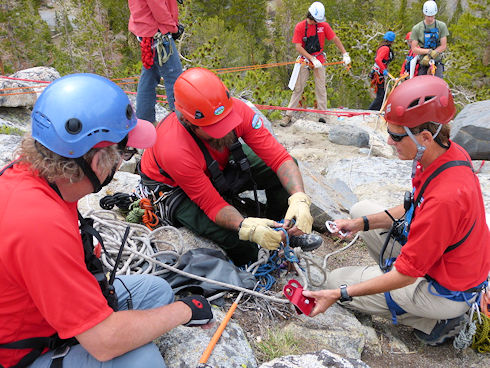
{"points": [[87, 170], [420, 148]]}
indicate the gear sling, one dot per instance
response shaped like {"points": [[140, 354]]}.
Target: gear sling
{"points": [[399, 231], [95, 267]]}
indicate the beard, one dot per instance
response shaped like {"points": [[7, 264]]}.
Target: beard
{"points": [[222, 143]]}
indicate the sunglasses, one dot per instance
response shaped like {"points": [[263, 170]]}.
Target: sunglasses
{"points": [[397, 137], [126, 152]]}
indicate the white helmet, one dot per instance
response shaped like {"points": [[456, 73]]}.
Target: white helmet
{"points": [[317, 10], [430, 8]]}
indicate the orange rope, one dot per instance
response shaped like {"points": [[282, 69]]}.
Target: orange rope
{"points": [[149, 217]]}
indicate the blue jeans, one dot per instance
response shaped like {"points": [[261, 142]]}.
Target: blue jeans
{"points": [[146, 292], [149, 79]]}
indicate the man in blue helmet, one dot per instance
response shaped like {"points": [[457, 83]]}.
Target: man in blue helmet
{"points": [[56, 305], [384, 55], [429, 41]]}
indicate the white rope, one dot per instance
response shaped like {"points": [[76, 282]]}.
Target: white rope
{"points": [[138, 249]]}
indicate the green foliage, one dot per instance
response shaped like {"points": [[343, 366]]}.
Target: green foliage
{"points": [[8, 130], [465, 62], [278, 343]]}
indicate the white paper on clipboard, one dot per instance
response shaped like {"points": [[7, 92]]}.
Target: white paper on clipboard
{"points": [[294, 75], [413, 63]]}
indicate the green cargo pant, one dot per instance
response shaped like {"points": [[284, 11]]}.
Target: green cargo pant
{"points": [[241, 252]]}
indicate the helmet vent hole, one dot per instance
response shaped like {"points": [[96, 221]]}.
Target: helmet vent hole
{"points": [[428, 98], [198, 115], [129, 112], [228, 94], [413, 103], [73, 126]]}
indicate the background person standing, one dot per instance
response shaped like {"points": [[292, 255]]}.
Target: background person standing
{"points": [[309, 39], [429, 40], [384, 55], [156, 24]]}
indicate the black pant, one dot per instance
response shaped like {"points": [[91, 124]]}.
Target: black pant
{"points": [[380, 94]]}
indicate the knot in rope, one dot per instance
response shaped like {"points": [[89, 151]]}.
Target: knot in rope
{"points": [[135, 213], [149, 218]]}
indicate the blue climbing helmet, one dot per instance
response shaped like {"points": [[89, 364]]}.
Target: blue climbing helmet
{"points": [[389, 36], [80, 111]]}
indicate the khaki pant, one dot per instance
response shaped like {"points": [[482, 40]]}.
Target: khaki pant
{"points": [[423, 309], [320, 90]]}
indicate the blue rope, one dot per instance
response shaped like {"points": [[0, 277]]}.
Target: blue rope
{"points": [[274, 263]]}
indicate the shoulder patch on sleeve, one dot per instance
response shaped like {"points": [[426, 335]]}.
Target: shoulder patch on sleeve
{"points": [[257, 121]]}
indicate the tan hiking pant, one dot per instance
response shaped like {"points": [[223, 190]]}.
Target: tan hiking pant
{"points": [[423, 309], [320, 89]]}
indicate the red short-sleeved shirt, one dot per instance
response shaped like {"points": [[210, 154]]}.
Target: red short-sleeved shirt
{"points": [[451, 204], [45, 285], [324, 32], [178, 154]]}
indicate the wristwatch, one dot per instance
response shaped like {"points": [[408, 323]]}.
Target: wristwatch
{"points": [[344, 296]]}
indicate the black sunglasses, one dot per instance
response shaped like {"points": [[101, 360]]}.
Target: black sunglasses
{"points": [[126, 152], [397, 137]]}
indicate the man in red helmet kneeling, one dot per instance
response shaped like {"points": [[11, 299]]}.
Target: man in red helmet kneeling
{"points": [[434, 250], [200, 166]]}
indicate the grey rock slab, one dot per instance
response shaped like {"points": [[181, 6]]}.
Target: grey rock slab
{"points": [[182, 347], [349, 135], [8, 144], [319, 359]]}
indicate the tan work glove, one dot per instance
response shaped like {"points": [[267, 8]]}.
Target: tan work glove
{"points": [[258, 230], [433, 54], [299, 209], [425, 60]]}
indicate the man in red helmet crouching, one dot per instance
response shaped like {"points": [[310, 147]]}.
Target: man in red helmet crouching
{"points": [[433, 250], [200, 166]]}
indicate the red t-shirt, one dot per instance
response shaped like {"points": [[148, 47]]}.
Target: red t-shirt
{"points": [[148, 16], [451, 204], [45, 287], [178, 154], [383, 53], [324, 32]]}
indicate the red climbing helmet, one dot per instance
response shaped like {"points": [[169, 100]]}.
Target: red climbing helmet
{"points": [[205, 101], [422, 99]]}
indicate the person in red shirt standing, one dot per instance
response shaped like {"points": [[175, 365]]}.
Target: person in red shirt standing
{"points": [[57, 308], [156, 24], [200, 166], [309, 39], [431, 281], [384, 55]]}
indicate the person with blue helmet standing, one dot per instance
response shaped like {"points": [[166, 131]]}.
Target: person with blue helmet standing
{"points": [[156, 24], [384, 55], [429, 41], [56, 304]]}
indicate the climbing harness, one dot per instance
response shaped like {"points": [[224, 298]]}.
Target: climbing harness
{"points": [[431, 37], [399, 232]]}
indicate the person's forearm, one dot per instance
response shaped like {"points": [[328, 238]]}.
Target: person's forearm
{"points": [[389, 281], [290, 177], [381, 220], [338, 43], [300, 49], [229, 217], [124, 331]]}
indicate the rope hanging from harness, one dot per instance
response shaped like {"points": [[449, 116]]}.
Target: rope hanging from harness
{"points": [[376, 80], [158, 44]]}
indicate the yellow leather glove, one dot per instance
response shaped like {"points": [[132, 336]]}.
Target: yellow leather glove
{"points": [[433, 54], [425, 60], [299, 209], [258, 230]]}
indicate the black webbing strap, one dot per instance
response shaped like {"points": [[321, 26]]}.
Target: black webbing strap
{"points": [[436, 172]]}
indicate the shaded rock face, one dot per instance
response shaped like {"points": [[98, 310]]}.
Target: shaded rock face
{"points": [[471, 130]]}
